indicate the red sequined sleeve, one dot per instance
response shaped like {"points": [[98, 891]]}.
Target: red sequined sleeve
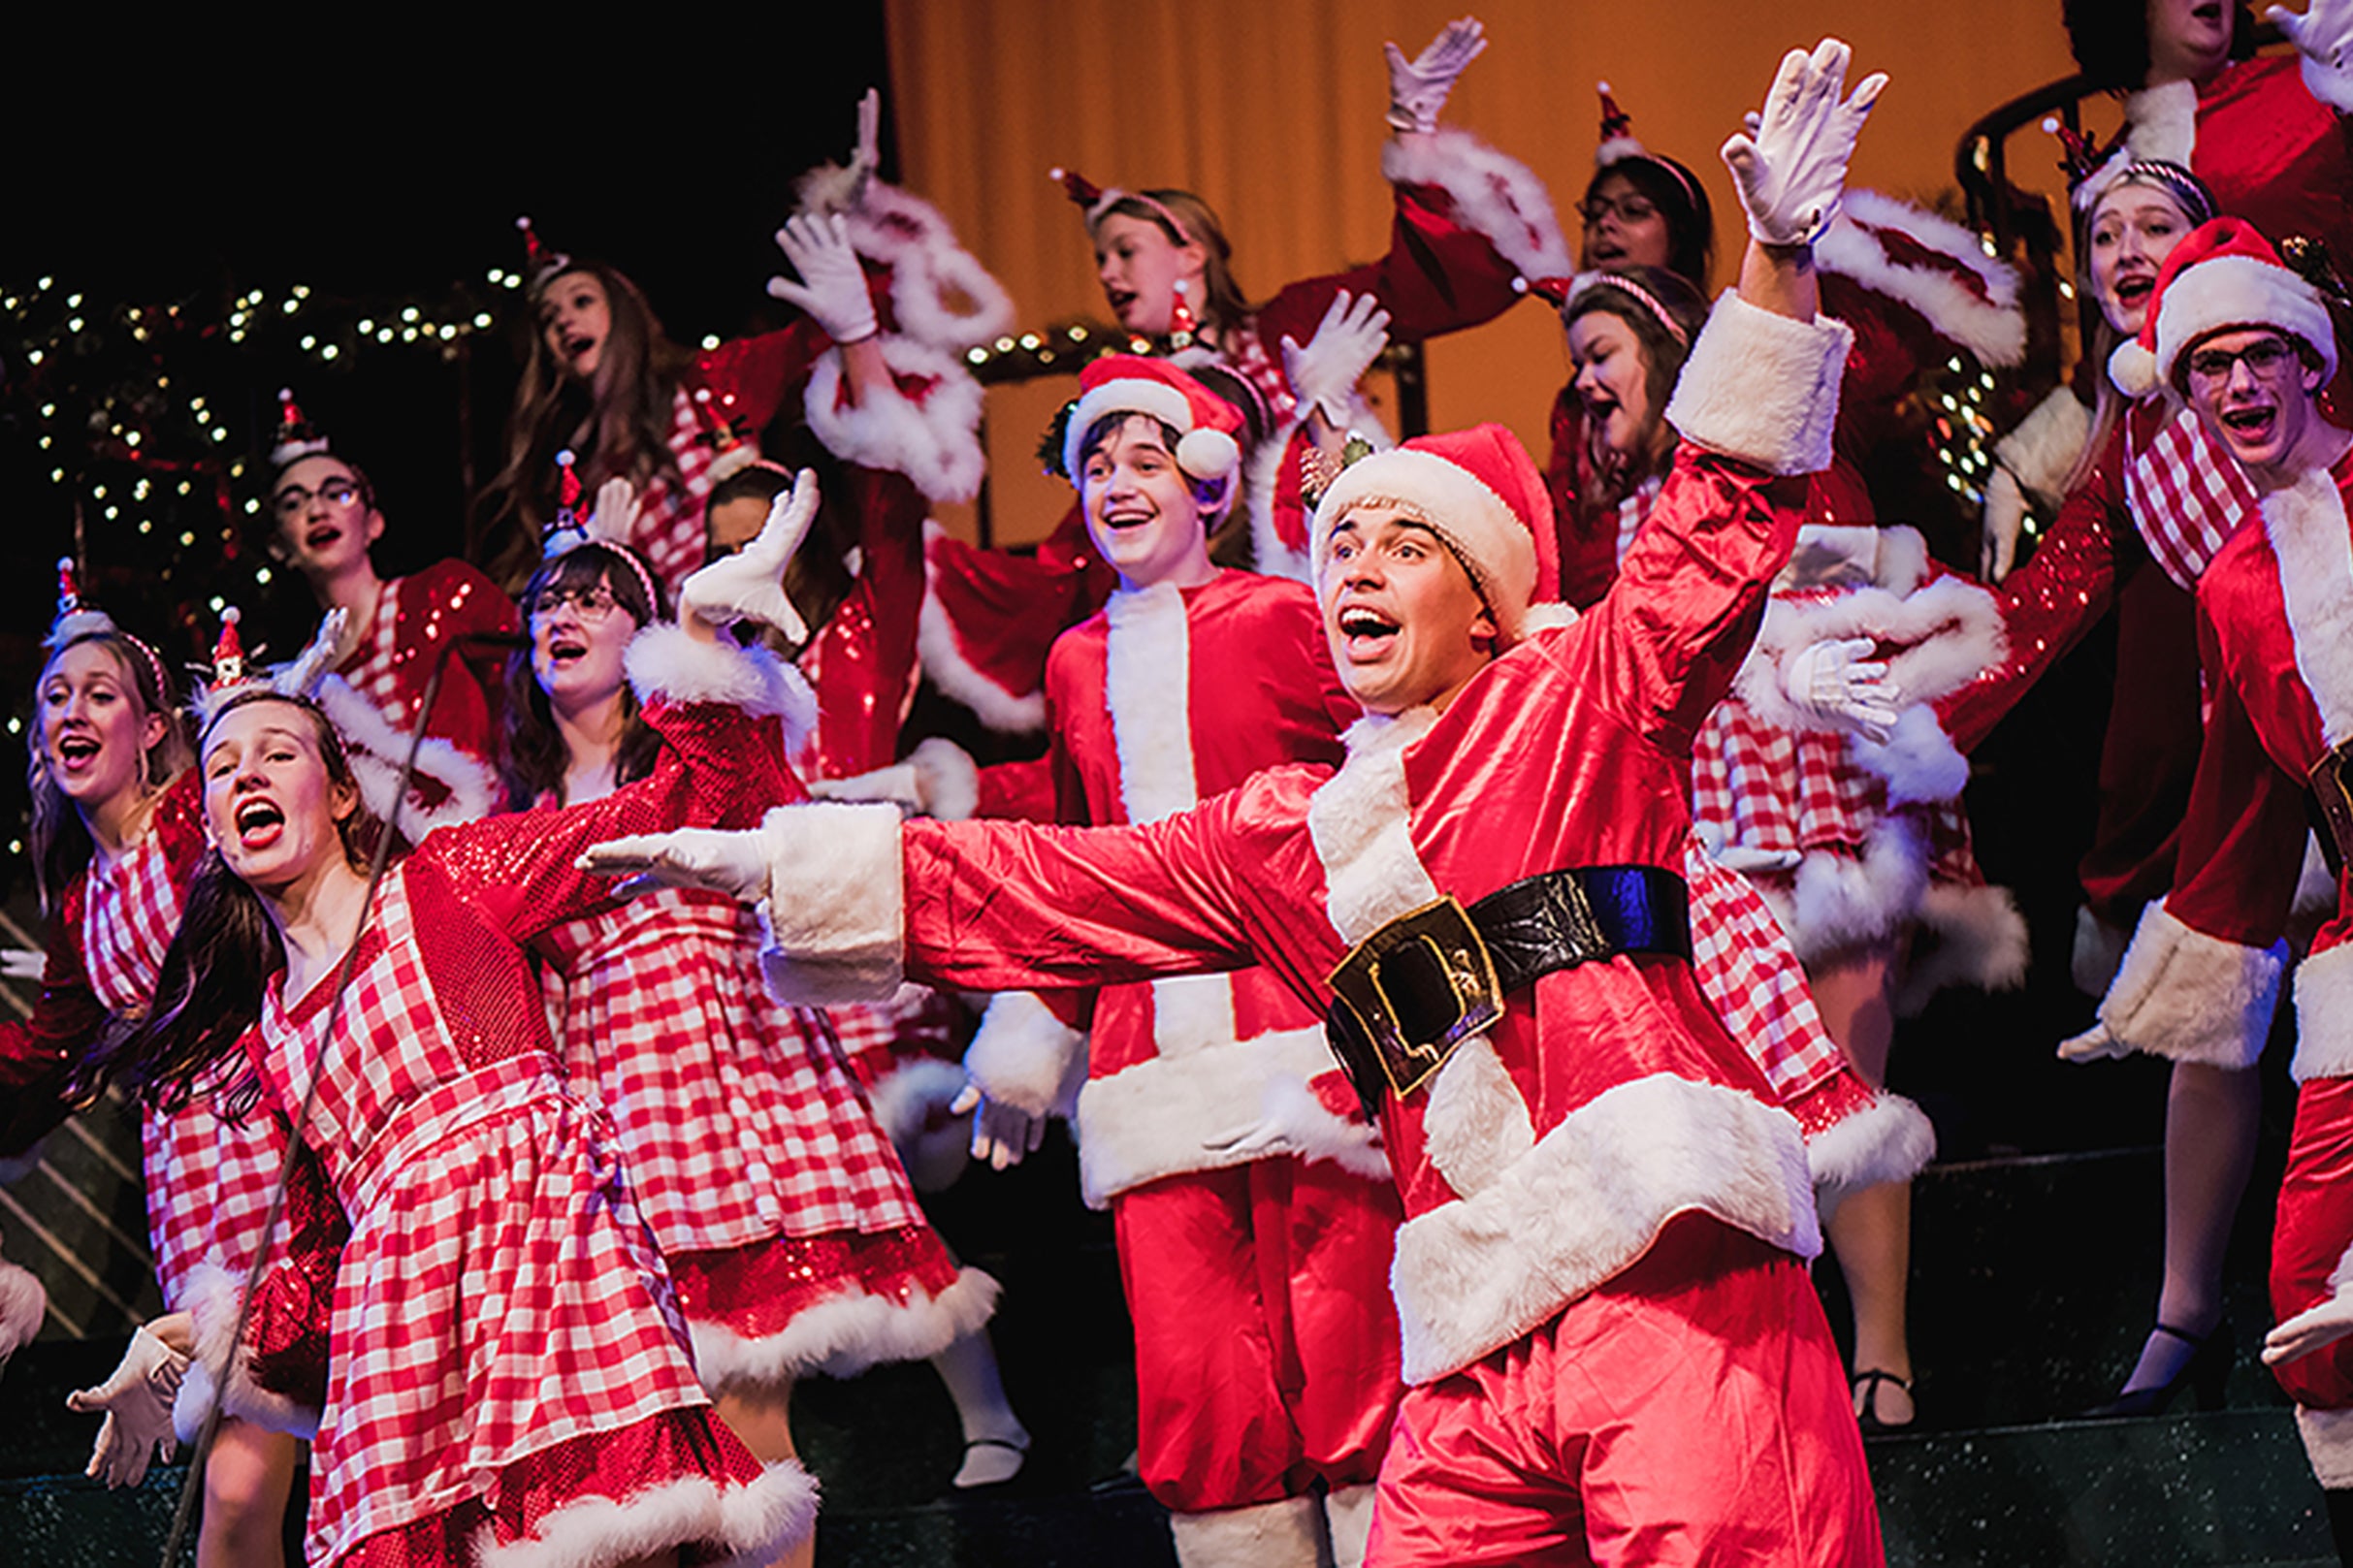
{"points": [[286, 1335]]}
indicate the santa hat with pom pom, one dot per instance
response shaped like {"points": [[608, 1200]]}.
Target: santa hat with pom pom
{"points": [[1480, 492], [295, 437], [2223, 276], [1209, 446]]}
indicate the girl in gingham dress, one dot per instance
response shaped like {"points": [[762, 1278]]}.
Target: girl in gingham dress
{"points": [[116, 835], [510, 1383]]}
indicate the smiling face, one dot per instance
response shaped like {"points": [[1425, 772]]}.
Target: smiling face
{"points": [[1140, 267], [2188, 40], [325, 517], [2256, 392], [1612, 383], [1406, 625], [580, 639], [1623, 228], [2133, 229], [1141, 510], [575, 319], [270, 806], [93, 729]]}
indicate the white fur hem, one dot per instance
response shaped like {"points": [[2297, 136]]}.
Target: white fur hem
{"points": [[1025, 1057], [942, 651], [1477, 1273], [1286, 1533], [2328, 1442], [667, 664], [2324, 1015], [935, 443], [1492, 194], [1982, 941], [845, 1335], [1763, 388], [1295, 1122], [939, 291], [835, 914], [904, 1098], [378, 748], [2041, 452], [2189, 997], [1167, 1115], [756, 1522], [1991, 326], [210, 1299], [1946, 634], [1891, 1139], [1841, 901]]}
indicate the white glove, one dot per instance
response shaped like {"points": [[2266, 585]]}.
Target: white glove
{"points": [[2324, 36], [1749, 861], [23, 964], [1789, 166], [735, 864], [2313, 1329], [2003, 519], [615, 516], [750, 585], [1002, 1135], [138, 1404], [1837, 682], [2094, 1045], [833, 284], [1418, 87], [897, 784], [1324, 374]]}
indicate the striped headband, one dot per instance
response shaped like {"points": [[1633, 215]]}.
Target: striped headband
{"points": [[1585, 283]]}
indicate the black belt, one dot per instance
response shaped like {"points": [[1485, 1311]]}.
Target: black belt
{"points": [[1413, 991], [2329, 801]]}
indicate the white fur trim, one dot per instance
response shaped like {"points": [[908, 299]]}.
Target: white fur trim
{"points": [[2041, 451], [1262, 476], [904, 1098], [2324, 1015], [1917, 760], [1992, 327], [1286, 1533], [939, 291], [756, 1523], [2185, 995], [1349, 1521], [211, 1298], [1360, 822], [1025, 1057], [667, 664], [1548, 617], [1840, 901], [845, 1335], [2305, 523], [1763, 388], [1148, 688], [23, 1305], [943, 655], [2328, 1442], [935, 443], [1477, 1275], [2096, 954], [2163, 124], [946, 777], [1946, 634], [1491, 193], [1293, 1121], [1891, 1139], [835, 914], [1476, 1124], [2316, 885], [1982, 941], [1129, 394], [1493, 539], [1167, 1115], [2228, 292], [378, 748]]}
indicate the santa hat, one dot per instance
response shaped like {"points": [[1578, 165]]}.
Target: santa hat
{"points": [[1209, 427], [1097, 201], [295, 437], [1617, 140], [1479, 492], [2223, 276], [78, 618], [577, 524], [542, 263]]}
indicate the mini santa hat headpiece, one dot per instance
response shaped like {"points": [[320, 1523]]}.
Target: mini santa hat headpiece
{"points": [[541, 262], [2093, 170], [1480, 492], [1617, 140], [732, 454], [1096, 202], [1207, 446], [576, 524], [77, 619], [295, 437], [2223, 276]]}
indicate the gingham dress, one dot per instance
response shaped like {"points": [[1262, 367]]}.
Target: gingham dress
{"points": [[415, 618], [504, 1338], [209, 1179], [669, 532]]}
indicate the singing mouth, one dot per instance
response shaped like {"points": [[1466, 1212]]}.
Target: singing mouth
{"points": [[258, 824], [75, 750], [1365, 632], [320, 537], [2253, 426]]}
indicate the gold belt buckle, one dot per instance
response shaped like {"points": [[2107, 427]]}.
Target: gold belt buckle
{"points": [[2332, 792], [1420, 986]]}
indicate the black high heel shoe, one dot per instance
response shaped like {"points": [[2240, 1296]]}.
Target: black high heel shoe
{"points": [[1866, 1384], [2204, 1374]]}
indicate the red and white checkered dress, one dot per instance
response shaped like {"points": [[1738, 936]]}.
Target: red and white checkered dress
{"points": [[2187, 493], [506, 1344], [669, 535], [1750, 974], [416, 617]]}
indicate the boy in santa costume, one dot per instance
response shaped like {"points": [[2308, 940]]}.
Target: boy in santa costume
{"points": [[2249, 344], [1612, 1350]]}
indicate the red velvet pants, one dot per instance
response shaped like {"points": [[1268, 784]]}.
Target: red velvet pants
{"points": [[1692, 1410], [1265, 1344], [2313, 1229]]}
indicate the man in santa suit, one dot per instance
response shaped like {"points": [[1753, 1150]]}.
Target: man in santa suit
{"points": [[2250, 345], [1612, 1350]]}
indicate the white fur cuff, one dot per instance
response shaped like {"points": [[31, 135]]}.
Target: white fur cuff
{"points": [[935, 443], [1167, 1115], [1025, 1057], [2324, 1015], [666, 663], [2043, 450], [1762, 387], [2185, 995], [1491, 193], [835, 915], [1891, 1139]]}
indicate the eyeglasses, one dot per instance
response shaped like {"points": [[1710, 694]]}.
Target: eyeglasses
{"points": [[591, 603], [294, 501], [2211, 366], [1629, 208]]}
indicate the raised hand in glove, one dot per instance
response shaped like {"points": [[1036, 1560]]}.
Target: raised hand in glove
{"points": [[1418, 87], [1789, 166], [733, 863], [1324, 374], [1839, 684], [2324, 36], [750, 585], [832, 286], [615, 514], [136, 1400]]}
